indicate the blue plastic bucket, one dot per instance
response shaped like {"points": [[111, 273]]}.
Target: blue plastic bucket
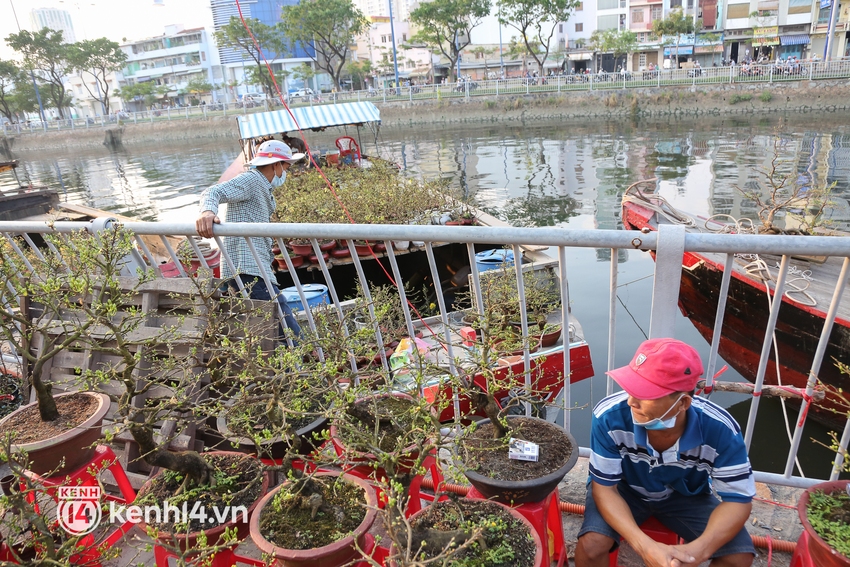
{"points": [[494, 259], [316, 294]]}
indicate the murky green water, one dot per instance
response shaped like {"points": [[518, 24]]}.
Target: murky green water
{"points": [[569, 175]]}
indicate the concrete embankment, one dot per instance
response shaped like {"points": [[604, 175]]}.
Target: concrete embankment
{"points": [[823, 96]]}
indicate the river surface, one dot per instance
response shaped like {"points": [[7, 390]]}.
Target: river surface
{"points": [[569, 175]]}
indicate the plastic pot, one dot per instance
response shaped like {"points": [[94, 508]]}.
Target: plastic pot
{"points": [[820, 552]]}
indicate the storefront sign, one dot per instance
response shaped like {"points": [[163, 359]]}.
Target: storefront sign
{"points": [[765, 41], [825, 4], [766, 31]]}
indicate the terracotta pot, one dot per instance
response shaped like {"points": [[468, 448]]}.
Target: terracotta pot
{"points": [[315, 259], [275, 448], [340, 552], [189, 541], [341, 253], [820, 552], [327, 246], [76, 445], [538, 542], [354, 456], [522, 491], [549, 339], [363, 249], [532, 347], [297, 261], [301, 249]]}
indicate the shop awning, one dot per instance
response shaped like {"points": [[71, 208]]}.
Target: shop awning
{"points": [[799, 39], [580, 56], [421, 72], [276, 121]]}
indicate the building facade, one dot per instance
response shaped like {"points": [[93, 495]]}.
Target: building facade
{"points": [[55, 19]]}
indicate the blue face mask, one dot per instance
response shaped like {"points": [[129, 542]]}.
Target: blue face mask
{"points": [[278, 180], [659, 423]]}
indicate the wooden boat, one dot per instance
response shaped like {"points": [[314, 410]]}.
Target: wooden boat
{"points": [[809, 289], [451, 258]]}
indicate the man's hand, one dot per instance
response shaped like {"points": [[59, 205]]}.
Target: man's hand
{"points": [[657, 554], [205, 222]]}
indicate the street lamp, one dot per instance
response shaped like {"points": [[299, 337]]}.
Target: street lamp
{"points": [[32, 74], [392, 34]]}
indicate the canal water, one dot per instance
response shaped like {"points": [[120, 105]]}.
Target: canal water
{"points": [[569, 175]]}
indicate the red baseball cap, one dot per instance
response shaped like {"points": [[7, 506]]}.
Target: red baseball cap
{"points": [[659, 368]]}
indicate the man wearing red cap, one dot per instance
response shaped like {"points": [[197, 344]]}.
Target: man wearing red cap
{"points": [[658, 451], [250, 198]]}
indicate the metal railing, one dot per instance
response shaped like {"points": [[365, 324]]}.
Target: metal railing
{"points": [[659, 78], [670, 242]]}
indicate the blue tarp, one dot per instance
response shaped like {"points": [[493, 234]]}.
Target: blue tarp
{"points": [[308, 117]]}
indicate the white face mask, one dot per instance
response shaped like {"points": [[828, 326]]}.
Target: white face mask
{"points": [[278, 180], [659, 423]]}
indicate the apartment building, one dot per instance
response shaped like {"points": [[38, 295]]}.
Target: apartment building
{"points": [[55, 19], [172, 60]]}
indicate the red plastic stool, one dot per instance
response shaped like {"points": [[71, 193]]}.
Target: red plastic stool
{"points": [[104, 458], [654, 529], [801, 557], [545, 516]]}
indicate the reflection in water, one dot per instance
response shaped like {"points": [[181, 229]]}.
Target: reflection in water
{"points": [[569, 175]]}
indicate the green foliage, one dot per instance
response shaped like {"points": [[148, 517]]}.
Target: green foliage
{"points": [[269, 38], [613, 41], [445, 25], [378, 194], [11, 79], [740, 97], [98, 58], [536, 21], [828, 515], [45, 52], [675, 24], [765, 96], [331, 26], [147, 92], [198, 85]]}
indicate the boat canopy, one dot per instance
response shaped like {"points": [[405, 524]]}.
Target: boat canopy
{"points": [[308, 117]]}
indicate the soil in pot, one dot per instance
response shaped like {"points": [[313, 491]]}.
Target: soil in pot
{"points": [[489, 457], [288, 521], [829, 515], [28, 427], [395, 419], [248, 420], [507, 540], [239, 482]]}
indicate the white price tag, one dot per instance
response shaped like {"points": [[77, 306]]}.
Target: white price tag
{"points": [[523, 450]]}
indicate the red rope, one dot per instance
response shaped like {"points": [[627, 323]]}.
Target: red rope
{"points": [[316, 164], [807, 402], [775, 503]]}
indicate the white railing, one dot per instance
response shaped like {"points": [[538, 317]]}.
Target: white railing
{"points": [[669, 242], [660, 78]]}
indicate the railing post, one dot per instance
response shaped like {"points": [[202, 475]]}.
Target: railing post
{"points": [[410, 93], [224, 106], [135, 118], [497, 87], [590, 80], [668, 275], [624, 80], [168, 112], [101, 121], [384, 91], [770, 76], [358, 96], [559, 83], [187, 113], [527, 84], [731, 74], [87, 123], [811, 68], [205, 113], [658, 73], [466, 90]]}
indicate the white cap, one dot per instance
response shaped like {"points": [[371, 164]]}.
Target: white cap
{"points": [[273, 151]]}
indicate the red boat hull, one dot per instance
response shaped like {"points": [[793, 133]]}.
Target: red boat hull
{"points": [[798, 327]]}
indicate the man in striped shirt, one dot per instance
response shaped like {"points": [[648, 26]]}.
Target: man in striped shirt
{"points": [[250, 198], [656, 450]]}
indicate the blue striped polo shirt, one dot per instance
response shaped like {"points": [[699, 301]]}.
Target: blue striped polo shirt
{"points": [[710, 452]]}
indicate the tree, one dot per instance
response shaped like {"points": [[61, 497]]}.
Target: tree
{"points": [[711, 38], [483, 52], [676, 23], [330, 26], [45, 52], [269, 38], [536, 20], [446, 25], [147, 93], [304, 73], [10, 75], [358, 71], [98, 58], [198, 86], [614, 41]]}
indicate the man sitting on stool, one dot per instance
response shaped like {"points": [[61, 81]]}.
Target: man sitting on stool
{"points": [[657, 451]]}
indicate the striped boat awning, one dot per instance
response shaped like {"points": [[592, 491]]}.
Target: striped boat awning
{"points": [[799, 39], [307, 117]]}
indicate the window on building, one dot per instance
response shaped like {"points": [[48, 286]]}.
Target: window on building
{"points": [[579, 27], [404, 37], [637, 16], [641, 60], [580, 7], [622, 3], [799, 6], [736, 11], [607, 4], [610, 22], [823, 15], [655, 13], [560, 28]]}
